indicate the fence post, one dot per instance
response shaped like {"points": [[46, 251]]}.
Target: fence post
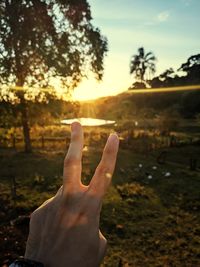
{"points": [[14, 187], [13, 142], [193, 163], [42, 141]]}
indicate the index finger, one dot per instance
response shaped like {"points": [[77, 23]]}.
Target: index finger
{"points": [[103, 174], [72, 162]]}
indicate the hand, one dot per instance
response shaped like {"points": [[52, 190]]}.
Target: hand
{"points": [[64, 230]]}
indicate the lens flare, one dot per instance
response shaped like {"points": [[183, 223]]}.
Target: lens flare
{"points": [[133, 91], [164, 89]]}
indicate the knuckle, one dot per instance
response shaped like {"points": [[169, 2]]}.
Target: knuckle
{"points": [[41, 210]]}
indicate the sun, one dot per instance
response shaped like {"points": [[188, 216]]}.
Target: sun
{"points": [[88, 89], [92, 89]]}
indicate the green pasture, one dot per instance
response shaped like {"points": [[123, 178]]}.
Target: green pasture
{"points": [[149, 218]]}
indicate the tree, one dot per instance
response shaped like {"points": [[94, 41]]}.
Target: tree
{"points": [[165, 79], [44, 39], [171, 78], [192, 68], [141, 63], [168, 73], [137, 85]]}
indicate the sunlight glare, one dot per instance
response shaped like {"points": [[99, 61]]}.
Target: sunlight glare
{"points": [[88, 122], [164, 89], [91, 89]]}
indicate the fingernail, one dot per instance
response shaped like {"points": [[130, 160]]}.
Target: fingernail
{"points": [[74, 126], [113, 138]]}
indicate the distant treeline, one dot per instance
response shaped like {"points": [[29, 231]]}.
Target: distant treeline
{"points": [[143, 67], [185, 104]]}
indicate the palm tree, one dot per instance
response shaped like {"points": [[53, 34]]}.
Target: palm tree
{"points": [[141, 63]]}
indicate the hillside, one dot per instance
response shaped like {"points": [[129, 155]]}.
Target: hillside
{"points": [[129, 105]]}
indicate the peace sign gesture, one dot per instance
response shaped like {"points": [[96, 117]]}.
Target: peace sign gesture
{"points": [[64, 231]]}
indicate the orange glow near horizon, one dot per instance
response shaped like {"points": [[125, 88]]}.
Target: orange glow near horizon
{"points": [[87, 94], [91, 89]]}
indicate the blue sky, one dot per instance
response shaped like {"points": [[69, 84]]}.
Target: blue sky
{"points": [[168, 28]]}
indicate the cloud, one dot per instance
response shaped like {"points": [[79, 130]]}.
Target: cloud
{"points": [[159, 18], [186, 2], [163, 16]]}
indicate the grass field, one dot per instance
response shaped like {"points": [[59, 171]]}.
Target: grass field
{"points": [[150, 215]]}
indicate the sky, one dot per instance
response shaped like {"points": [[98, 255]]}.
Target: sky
{"points": [[168, 28]]}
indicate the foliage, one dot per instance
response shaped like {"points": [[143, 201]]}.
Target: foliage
{"points": [[192, 68], [48, 111], [8, 116], [137, 85], [171, 78], [51, 111], [44, 41], [141, 63]]}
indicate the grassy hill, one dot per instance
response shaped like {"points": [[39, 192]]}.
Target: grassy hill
{"points": [[129, 104]]}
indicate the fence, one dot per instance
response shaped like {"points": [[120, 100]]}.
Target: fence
{"points": [[41, 142], [48, 142], [141, 144]]}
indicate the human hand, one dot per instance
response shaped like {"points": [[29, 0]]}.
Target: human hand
{"points": [[64, 230]]}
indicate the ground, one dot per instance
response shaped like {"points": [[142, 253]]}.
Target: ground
{"points": [[150, 216]]}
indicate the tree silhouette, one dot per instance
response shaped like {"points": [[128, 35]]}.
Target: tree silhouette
{"points": [[41, 39], [192, 68], [141, 63], [166, 78], [171, 78], [168, 73]]}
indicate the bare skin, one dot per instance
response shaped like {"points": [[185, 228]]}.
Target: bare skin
{"points": [[64, 230]]}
